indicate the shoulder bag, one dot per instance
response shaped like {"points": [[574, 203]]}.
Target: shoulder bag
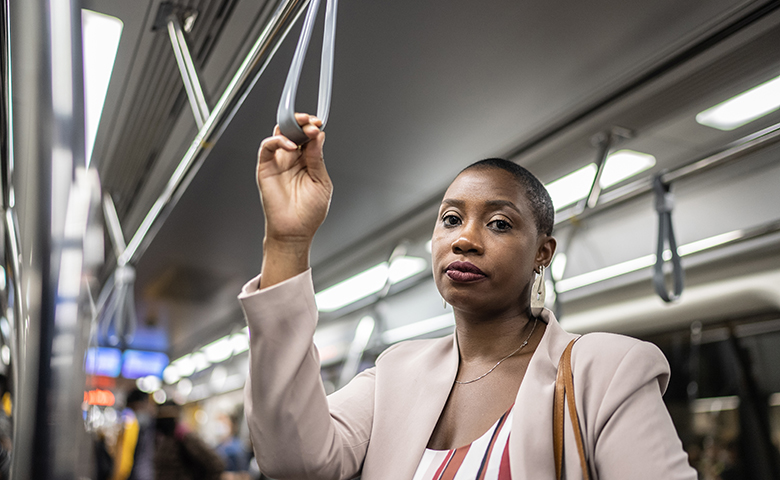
{"points": [[564, 389]]}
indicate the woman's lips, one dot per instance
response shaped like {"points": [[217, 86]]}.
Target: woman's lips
{"points": [[464, 272]]}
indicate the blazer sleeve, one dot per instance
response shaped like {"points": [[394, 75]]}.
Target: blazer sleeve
{"points": [[629, 427], [297, 431]]}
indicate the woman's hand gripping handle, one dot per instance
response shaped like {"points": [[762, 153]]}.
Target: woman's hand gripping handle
{"points": [[295, 191]]}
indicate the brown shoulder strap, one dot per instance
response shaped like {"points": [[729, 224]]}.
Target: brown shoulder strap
{"points": [[564, 388]]}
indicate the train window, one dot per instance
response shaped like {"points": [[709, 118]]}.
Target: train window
{"points": [[723, 396]]}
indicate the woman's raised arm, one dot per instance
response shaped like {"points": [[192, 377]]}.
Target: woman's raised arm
{"points": [[295, 190]]}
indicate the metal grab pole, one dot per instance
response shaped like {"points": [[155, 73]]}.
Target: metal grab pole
{"points": [[53, 202], [189, 75], [248, 73], [739, 149]]}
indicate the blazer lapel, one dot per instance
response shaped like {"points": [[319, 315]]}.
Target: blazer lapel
{"points": [[411, 391], [530, 443]]}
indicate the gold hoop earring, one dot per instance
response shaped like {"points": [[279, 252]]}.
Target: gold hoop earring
{"points": [[538, 293]]}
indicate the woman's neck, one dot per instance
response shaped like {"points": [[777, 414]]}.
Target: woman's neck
{"points": [[482, 339]]}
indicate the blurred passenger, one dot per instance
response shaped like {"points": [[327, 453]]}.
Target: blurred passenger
{"points": [[232, 450], [181, 454], [103, 460], [6, 429], [134, 451]]}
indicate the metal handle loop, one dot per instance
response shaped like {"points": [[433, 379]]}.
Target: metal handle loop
{"points": [[664, 204], [285, 115]]}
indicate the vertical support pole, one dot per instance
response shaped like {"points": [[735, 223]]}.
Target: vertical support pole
{"points": [[52, 206], [189, 75]]}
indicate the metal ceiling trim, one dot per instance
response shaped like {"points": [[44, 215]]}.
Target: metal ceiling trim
{"points": [[231, 100], [737, 150]]}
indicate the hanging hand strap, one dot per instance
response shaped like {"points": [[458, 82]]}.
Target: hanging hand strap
{"points": [[564, 387], [285, 115], [664, 203]]}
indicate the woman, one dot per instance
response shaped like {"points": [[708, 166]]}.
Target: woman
{"points": [[489, 387]]}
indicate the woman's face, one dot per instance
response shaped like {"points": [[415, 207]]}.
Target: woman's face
{"points": [[485, 245]]}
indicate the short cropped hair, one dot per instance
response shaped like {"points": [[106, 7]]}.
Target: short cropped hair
{"points": [[537, 195]]}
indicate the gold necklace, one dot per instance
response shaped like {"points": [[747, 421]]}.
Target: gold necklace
{"points": [[536, 320]]}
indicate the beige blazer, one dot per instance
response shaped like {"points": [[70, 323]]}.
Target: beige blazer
{"points": [[379, 424]]}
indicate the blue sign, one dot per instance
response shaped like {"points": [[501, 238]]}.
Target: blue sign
{"points": [[103, 361], [140, 363]]}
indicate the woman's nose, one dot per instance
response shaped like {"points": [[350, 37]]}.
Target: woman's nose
{"points": [[467, 242]]}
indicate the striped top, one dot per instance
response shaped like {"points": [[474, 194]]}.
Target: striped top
{"points": [[487, 458]]}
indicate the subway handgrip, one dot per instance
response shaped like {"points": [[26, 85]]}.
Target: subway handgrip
{"points": [[664, 204], [285, 115]]}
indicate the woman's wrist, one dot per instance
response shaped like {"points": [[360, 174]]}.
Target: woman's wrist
{"points": [[283, 259]]}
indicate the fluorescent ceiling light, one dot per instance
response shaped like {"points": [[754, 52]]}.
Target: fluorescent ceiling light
{"points": [[184, 366], [406, 267], [219, 350], [368, 283], [575, 186], [171, 374], [707, 243], [353, 289], [646, 261], [240, 342], [624, 164], [604, 273], [201, 361], [572, 187], [743, 108], [100, 37]]}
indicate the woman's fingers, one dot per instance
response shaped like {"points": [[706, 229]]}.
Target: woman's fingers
{"points": [[304, 118], [270, 145], [313, 157]]}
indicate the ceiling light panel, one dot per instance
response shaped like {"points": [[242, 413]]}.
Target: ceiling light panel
{"points": [[368, 282], [619, 166], [743, 108], [624, 164], [572, 187], [100, 38]]}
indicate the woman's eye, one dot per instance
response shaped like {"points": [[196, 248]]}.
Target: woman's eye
{"points": [[450, 220], [501, 225]]}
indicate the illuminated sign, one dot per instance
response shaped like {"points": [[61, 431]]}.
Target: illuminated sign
{"points": [[103, 361], [103, 398], [139, 363]]}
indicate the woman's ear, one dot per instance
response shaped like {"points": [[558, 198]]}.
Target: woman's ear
{"points": [[545, 250]]}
